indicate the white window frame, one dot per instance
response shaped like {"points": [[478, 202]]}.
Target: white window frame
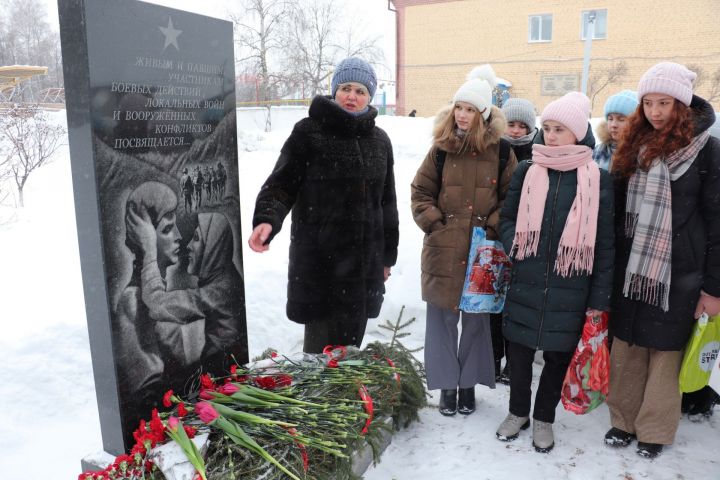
{"points": [[583, 14], [540, 32]]}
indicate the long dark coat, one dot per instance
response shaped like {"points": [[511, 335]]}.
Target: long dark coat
{"points": [[695, 250], [335, 173], [543, 310]]}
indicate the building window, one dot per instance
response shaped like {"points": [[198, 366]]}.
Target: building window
{"points": [[599, 24], [540, 28]]}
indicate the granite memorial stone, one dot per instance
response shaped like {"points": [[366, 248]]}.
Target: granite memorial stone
{"points": [[152, 129]]}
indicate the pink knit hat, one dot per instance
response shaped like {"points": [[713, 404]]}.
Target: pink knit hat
{"points": [[669, 78], [572, 110]]}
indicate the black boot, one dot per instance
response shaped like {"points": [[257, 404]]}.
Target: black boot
{"points": [[649, 450], [701, 403], [618, 438], [448, 402], [466, 401]]}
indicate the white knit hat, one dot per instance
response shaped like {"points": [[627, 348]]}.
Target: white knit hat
{"points": [[477, 90], [669, 78]]}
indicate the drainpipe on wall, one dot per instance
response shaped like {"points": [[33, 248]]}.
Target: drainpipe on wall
{"points": [[588, 49], [399, 75]]}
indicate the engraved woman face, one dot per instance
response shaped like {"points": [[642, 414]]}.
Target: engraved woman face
{"points": [[196, 249], [168, 240]]}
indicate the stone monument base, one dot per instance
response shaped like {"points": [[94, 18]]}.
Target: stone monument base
{"points": [[172, 462]]}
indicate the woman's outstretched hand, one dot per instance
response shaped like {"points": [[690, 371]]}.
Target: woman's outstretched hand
{"points": [[259, 236], [141, 231]]}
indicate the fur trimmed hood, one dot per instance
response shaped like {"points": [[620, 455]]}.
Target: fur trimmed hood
{"points": [[703, 114], [603, 134], [495, 128]]}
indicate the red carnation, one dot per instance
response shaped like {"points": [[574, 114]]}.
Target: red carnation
{"points": [[157, 429], [268, 383], [190, 431], [182, 411], [206, 382], [283, 380], [166, 399]]}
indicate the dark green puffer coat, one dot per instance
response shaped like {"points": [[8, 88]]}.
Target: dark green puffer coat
{"points": [[543, 310]]}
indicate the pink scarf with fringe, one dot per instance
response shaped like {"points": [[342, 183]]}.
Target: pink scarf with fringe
{"points": [[576, 251]]}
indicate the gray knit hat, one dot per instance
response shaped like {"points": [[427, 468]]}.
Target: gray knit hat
{"points": [[354, 69], [519, 110]]}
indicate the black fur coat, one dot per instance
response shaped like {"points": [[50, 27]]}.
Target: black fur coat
{"points": [[335, 173]]}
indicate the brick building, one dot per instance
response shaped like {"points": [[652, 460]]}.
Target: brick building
{"points": [[538, 45]]}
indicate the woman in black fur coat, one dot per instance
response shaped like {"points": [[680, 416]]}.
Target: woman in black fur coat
{"points": [[335, 173]]}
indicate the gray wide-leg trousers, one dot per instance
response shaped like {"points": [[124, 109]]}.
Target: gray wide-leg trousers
{"points": [[448, 366]]}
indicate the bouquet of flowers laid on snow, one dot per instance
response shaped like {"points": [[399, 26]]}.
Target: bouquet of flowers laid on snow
{"points": [[284, 416]]}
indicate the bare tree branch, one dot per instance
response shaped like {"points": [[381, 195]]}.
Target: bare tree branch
{"points": [[30, 140], [322, 33], [598, 81], [259, 36]]}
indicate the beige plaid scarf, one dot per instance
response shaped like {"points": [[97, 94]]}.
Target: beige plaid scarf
{"points": [[648, 221]]}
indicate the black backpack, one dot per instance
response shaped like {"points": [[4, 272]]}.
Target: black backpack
{"points": [[504, 156]]}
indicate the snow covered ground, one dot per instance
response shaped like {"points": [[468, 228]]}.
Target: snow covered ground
{"points": [[49, 413]]}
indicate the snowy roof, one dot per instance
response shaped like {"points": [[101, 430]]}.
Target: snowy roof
{"points": [[11, 75]]}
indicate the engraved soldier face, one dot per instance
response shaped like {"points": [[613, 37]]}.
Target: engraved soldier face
{"points": [[168, 241], [196, 248]]}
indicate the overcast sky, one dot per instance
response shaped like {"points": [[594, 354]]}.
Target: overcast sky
{"points": [[379, 20]]}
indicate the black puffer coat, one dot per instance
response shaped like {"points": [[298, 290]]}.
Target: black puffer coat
{"points": [[543, 310], [335, 172], [695, 250]]}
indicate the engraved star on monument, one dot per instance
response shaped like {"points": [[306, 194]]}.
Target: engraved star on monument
{"points": [[171, 34]]}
